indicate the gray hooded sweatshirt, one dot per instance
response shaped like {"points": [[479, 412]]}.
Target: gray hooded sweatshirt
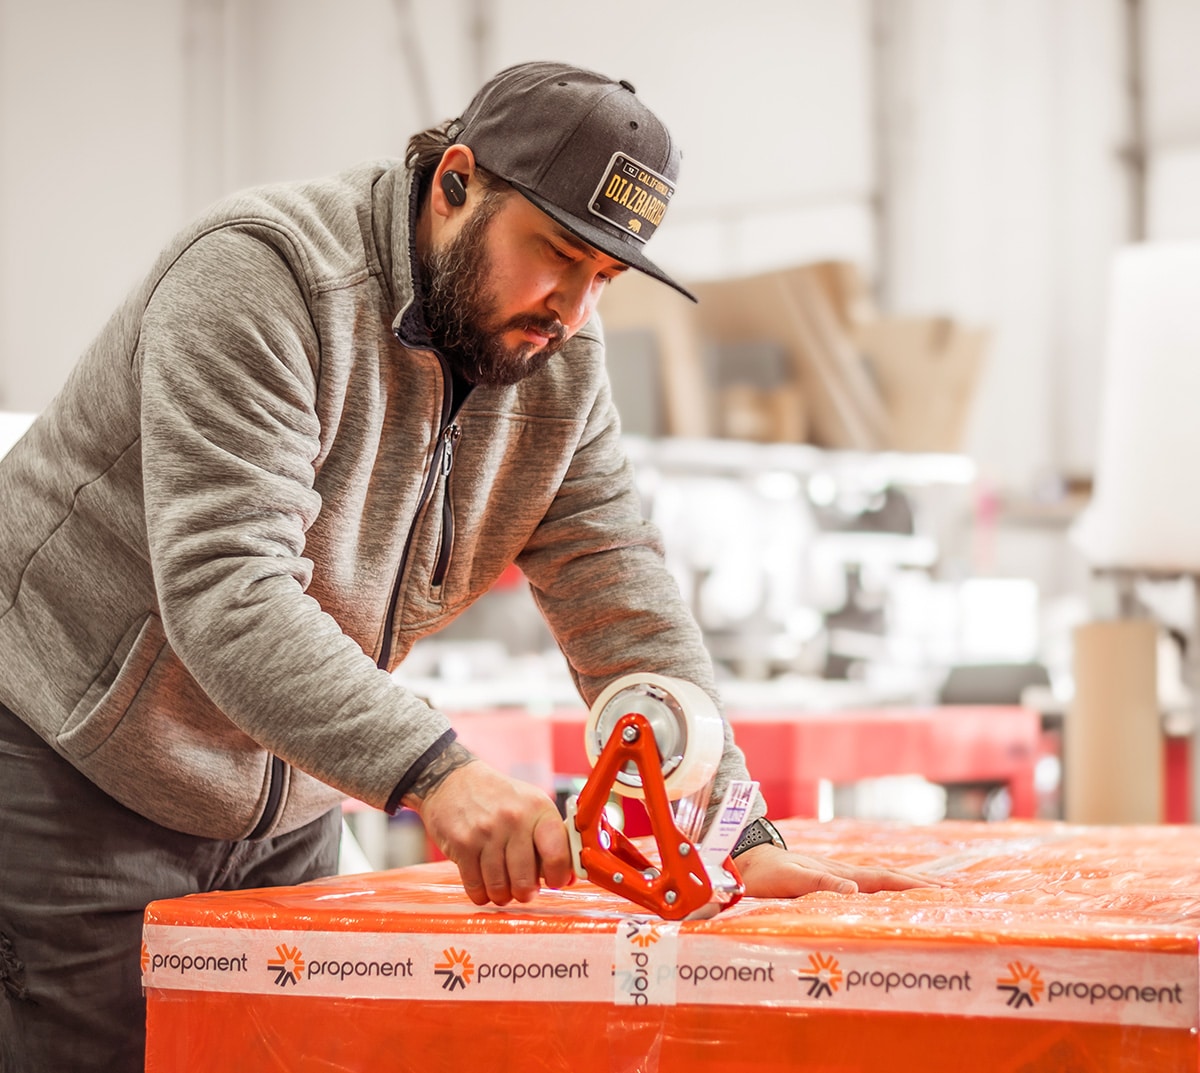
{"points": [[248, 502]]}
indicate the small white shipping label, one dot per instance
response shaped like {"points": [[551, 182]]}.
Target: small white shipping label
{"points": [[731, 818]]}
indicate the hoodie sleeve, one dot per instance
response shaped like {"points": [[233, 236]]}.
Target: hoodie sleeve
{"points": [[597, 573]]}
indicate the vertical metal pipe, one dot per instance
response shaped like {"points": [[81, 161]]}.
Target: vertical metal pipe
{"points": [[1136, 152], [882, 15]]}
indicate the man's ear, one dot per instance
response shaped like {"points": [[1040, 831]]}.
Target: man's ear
{"points": [[452, 179]]}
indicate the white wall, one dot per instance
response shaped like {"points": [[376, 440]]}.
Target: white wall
{"points": [[989, 134], [91, 177], [1173, 120], [119, 120], [1004, 123]]}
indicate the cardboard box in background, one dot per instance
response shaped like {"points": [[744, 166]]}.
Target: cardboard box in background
{"points": [[791, 309], [757, 397], [762, 415], [646, 321], [846, 289], [927, 370], [847, 376]]}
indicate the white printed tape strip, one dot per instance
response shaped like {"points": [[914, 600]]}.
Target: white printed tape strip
{"points": [[682, 968], [479, 967], [645, 962]]}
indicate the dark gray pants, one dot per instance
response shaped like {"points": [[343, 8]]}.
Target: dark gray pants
{"points": [[77, 869]]}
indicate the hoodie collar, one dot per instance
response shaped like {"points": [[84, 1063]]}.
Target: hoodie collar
{"points": [[397, 199]]}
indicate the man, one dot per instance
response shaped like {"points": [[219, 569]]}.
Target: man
{"points": [[323, 425]]}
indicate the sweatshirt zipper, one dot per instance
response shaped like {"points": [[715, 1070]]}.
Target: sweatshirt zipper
{"points": [[435, 472], [450, 437]]}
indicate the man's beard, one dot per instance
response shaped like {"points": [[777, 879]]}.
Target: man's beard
{"points": [[460, 310]]}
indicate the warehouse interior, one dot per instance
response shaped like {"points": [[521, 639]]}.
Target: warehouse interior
{"points": [[919, 455]]}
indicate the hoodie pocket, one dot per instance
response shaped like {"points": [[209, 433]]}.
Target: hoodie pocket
{"points": [[154, 740], [102, 707]]}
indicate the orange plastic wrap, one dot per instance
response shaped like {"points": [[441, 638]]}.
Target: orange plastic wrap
{"points": [[1050, 947]]}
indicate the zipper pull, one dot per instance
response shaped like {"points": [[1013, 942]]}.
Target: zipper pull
{"points": [[451, 434]]}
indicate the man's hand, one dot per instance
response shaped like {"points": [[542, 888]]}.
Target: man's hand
{"points": [[771, 872], [502, 833]]}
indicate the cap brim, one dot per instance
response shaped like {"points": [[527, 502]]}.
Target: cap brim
{"points": [[604, 241]]}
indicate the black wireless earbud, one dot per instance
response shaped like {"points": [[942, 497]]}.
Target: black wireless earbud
{"points": [[454, 188]]}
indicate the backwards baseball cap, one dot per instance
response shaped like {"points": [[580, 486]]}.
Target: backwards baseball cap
{"points": [[583, 148]]}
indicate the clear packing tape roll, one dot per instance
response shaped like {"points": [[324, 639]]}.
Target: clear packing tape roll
{"points": [[687, 727], [1145, 512]]}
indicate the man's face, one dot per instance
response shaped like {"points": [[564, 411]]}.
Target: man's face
{"points": [[509, 289]]}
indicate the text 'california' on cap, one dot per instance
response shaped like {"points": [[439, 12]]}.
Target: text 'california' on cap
{"points": [[584, 149]]}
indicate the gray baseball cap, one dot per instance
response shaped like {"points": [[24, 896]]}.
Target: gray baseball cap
{"points": [[584, 149]]}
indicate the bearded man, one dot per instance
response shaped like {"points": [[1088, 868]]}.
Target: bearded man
{"points": [[323, 425]]}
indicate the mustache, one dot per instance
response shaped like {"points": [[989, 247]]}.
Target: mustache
{"points": [[548, 326]]}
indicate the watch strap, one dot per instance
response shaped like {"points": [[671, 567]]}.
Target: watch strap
{"points": [[758, 833]]}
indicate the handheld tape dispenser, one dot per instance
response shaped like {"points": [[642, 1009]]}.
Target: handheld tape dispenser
{"points": [[659, 740]]}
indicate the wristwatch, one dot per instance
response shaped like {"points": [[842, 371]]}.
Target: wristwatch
{"points": [[755, 834]]}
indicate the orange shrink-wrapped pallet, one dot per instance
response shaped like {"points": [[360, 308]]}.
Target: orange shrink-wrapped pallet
{"points": [[1047, 947]]}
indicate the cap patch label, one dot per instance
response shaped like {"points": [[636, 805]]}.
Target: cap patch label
{"points": [[632, 197]]}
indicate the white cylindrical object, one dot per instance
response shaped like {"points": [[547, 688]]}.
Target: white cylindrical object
{"points": [[1145, 513], [688, 730]]}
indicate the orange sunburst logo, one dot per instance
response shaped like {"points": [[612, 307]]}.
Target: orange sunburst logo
{"points": [[642, 933], [1023, 983], [287, 965], [456, 968], [823, 976]]}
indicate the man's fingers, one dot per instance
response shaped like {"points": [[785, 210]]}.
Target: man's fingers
{"points": [[522, 868], [830, 882], [472, 880], [871, 880], [773, 873], [553, 850], [493, 867], [792, 878], [502, 833]]}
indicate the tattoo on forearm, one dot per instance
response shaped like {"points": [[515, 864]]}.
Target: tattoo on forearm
{"points": [[450, 759]]}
